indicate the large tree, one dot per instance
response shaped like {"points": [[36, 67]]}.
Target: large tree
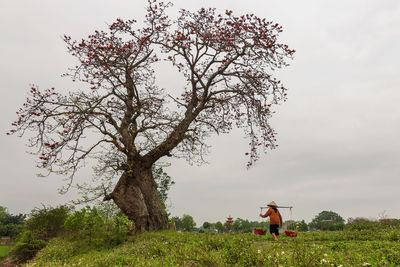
{"points": [[131, 123]]}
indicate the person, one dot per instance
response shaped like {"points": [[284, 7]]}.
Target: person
{"points": [[275, 220]]}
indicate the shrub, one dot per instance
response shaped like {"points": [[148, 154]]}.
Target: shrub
{"points": [[26, 247], [75, 222], [42, 225], [394, 235], [58, 249], [88, 224], [359, 224], [362, 224], [47, 222], [96, 229], [121, 227]]}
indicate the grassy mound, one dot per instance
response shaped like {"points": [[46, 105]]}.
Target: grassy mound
{"points": [[234, 249]]}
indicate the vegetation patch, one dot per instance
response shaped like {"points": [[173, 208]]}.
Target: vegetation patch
{"points": [[3, 251], [170, 248], [94, 236]]}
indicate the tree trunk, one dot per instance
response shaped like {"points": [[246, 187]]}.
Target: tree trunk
{"points": [[137, 196]]}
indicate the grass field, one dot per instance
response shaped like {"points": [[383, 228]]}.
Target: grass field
{"points": [[3, 251], [339, 248]]}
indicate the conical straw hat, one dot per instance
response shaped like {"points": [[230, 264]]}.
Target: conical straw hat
{"points": [[272, 204]]}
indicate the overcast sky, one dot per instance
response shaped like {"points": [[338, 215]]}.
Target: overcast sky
{"points": [[338, 133]]}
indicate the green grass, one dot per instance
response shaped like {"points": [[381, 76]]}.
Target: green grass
{"points": [[340, 248], [3, 251]]}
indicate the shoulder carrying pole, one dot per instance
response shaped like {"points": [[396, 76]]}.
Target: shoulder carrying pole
{"points": [[279, 207]]}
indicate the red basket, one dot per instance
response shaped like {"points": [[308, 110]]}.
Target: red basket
{"points": [[291, 233], [259, 231]]}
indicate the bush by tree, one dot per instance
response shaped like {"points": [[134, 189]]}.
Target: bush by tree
{"points": [[226, 61], [87, 223], [47, 222], [92, 225], [42, 225], [163, 181], [26, 247]]}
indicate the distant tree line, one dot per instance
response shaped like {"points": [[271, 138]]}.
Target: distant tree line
{"points": [[324, 221], [186, 223], [10, 225]]}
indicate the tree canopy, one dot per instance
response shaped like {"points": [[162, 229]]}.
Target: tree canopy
{"points": [[327, 220], [133, 122]]}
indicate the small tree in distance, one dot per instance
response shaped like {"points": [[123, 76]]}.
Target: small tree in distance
{"points": [[188, 223], [219, 226], [327, 220], [207, 225], [225, 60]]}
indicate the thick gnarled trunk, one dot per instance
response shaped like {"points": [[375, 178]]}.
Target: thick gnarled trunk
{"points": [[137, 196]]}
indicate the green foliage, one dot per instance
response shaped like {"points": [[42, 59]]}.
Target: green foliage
{"points": [[97, 237], [75, 221], [93, 226], [219, 226], [122, 227], [328, 221], [302, 226], [243, 226], [390, 223], [388, 229], [164, 182], [11, 230], [177, 222], [88, 228], [3, 251], [188, 223], [87, 223], [320, 248], [47, 222], [207, 225], [10, 225], [26, 247], [42, 225], [361, 224], [61, 249], [3, 212], [299, 226]]}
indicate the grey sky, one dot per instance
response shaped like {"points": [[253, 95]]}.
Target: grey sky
{"points": [[337, 134]]}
